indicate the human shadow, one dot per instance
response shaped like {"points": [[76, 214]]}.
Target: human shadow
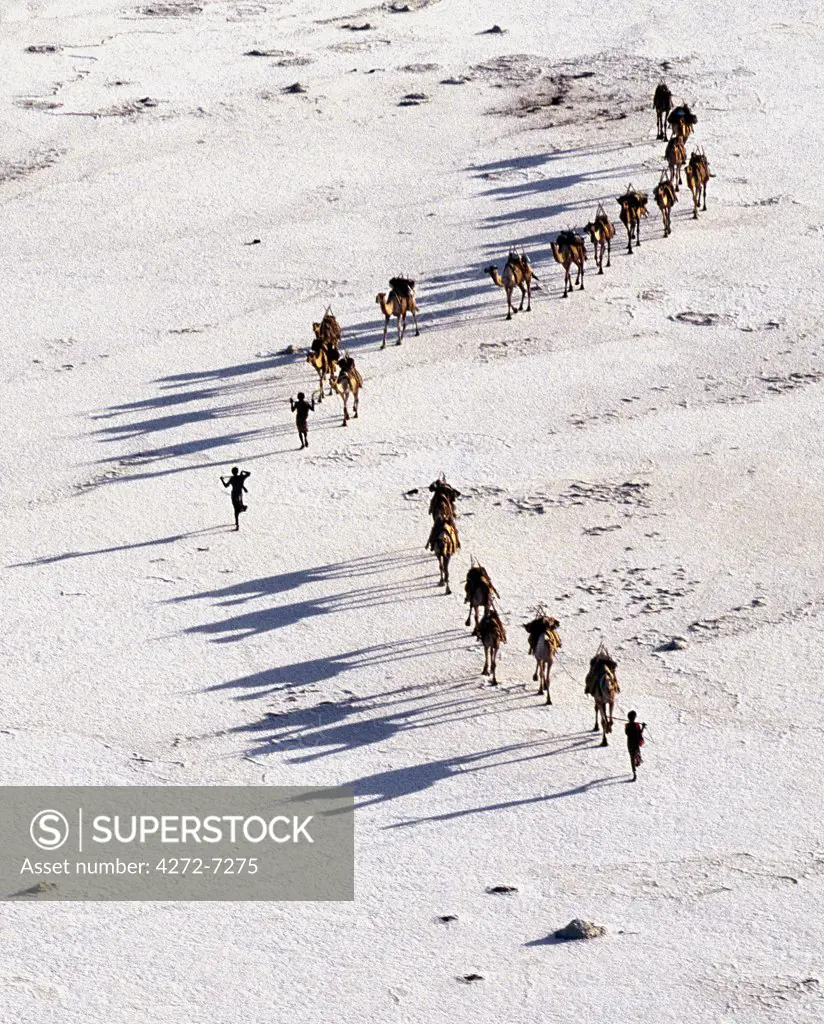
{"points": [[158, 542]]}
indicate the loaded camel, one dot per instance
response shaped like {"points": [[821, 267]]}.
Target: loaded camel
{"points": [[443, 537], [479, 591], [544, 642], [490, 631], [348, 382], [444, 542], [633, 207], [569, 249], [401, 301], [323, 355], [666, 198], [442, 504], [601, 232], [698, 174], [676, 157], [517, 274], [662, 102], [682, 121], [602, 686]]}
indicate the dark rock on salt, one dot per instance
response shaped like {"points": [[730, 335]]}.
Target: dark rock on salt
{"points": [[580, 929]]}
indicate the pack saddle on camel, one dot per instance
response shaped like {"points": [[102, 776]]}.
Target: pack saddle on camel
{"points": [[399, 303], [676, 157], [479, 590], [544, 643], [698, 174], [444, 542], [517, 274], [568, 249], [682, 121], [348, 381], [443, 537], [601, 232], [323, 355], [490, 631], [662, 102], [666, 198], [602, 685], [633, 207], [442, 503]]}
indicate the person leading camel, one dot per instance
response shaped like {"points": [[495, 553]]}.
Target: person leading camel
{"points": [[302, 408]]}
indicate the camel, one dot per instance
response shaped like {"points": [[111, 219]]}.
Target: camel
{"points": [[633, 207], [544, 642], [401, 302], [682, 121], [602, 686], [444, 542], [348, 382], [442, 505], [676, 157], [517, 274], [662, 102], [569, 248], [698, 174], [490, 631], [601, 232], [479, 591], [323, 355], [666, 198]]}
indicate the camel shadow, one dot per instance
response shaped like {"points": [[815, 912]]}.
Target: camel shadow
{"points": [[265, 620]]}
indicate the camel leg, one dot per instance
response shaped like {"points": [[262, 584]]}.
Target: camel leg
{"points": [[494, 665], [609, 252], [548, 697], [581, 275], [440, 567], [523, 296], [536, 674], [385, 328], [567, 281], [629, 244], [401, 327], [509, 308], [469, 616], [345, 409], [485, 669], [355, 404], [704, 207], [529, 297], [415, 320], [596, 726], [604, 741], [446, 573]]}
